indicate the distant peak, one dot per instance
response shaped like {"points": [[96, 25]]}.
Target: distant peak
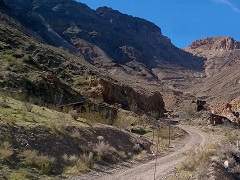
{"points": [[215, 43]]}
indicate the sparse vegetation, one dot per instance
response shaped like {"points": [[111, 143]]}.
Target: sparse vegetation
{"points": [[6, 151], [54, 125], [123, 121], [104, 151], [21, 174], [40, 161], [212, 157], [77, 164], [190, 110]]}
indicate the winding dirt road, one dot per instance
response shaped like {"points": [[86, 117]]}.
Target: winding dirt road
{"points": [[164, 164]]}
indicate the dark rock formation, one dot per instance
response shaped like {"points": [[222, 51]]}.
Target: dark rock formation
{"points": [[131, 99], [104, 33]]}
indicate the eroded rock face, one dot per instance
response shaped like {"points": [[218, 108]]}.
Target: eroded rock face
{"points": [[126, 97], [215, 43], [130, 98], [230, 110]]}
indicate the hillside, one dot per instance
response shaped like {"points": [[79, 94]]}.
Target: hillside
{"points": [[124, 46], [222, 82], [53, 75], [83, 90]]}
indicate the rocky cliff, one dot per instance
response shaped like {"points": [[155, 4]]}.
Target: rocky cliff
{"points": [[105, 37], [131, 99], [213, 44]]}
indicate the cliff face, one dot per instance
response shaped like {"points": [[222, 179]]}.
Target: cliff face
{"points": [[214, 44], [131, 99]]}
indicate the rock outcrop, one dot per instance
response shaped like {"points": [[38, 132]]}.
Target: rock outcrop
{"points": [[131, 99], [214, 43], [124, 96]]}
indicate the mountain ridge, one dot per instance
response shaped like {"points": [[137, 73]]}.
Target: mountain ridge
{"points": [[130, 49]]}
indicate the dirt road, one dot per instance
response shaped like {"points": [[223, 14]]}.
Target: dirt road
{"points": [[164, 164]]}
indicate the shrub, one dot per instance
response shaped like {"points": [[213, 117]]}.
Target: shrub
{"points": [[28, 106], [80, 82], [42, 162], [140, 155], [124, 119], [77, 164], [6, 151], [104, 151], [197, 162], [190, 110], [21, 174]]}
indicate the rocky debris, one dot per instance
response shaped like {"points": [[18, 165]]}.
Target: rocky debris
{"points": [[217, 171]]}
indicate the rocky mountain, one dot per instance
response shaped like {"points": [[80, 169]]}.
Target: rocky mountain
{"points": [[222, 82], [56, 77], [123, 45], [131, 50]]}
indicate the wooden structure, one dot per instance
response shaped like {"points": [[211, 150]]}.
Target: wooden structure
{"points": [[216, 119]]}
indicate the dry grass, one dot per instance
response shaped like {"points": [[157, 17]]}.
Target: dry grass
{"points": [[104, 152], [77, 164], [124, 121], [6, 151], [42, 162], [17, 114], [140, 155], [21, 174], [103, 148], [198, 162]]}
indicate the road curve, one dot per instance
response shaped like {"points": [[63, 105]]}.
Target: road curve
{"points": [[164, 164]]}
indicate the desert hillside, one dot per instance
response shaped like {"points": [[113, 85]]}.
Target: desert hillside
{"points": [[85, 92], [222, 82], [124, 46]]}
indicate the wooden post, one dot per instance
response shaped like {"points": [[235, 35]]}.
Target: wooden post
{"points": [[237, 145], [155, 167], [169, 134], [153, 135]]}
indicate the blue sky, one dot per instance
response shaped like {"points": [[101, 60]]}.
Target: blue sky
{"points": [[183, 21]]}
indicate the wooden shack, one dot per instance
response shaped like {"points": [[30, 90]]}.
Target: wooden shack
{"points": [[216, 119]]}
